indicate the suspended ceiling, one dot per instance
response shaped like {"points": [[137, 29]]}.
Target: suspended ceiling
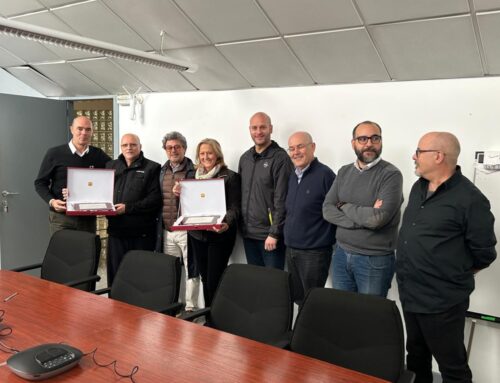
{"points": [[240, 44]]}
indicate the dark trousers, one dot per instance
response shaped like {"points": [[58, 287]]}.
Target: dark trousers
{"points": [[60, 221], [309, 268], [211, 259], [442, 336], [118, 247], [257, 255]]}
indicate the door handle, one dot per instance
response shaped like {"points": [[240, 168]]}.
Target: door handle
{"points": [[6, 193]]}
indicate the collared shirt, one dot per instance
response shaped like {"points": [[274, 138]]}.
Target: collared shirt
{"points": [[75, 150], [367, 166], [176, 167], [444, 237], [300, 172]]}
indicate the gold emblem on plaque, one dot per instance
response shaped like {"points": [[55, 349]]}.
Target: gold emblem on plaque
{"points": [[90, 184], [202, 195]]}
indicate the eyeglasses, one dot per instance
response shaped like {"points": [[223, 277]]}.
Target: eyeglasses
{"points": [[418, 151], [375, 139], [292, 149], [170, 148]]}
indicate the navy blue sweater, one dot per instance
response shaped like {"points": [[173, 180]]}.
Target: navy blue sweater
{"points": [[305, 227]]}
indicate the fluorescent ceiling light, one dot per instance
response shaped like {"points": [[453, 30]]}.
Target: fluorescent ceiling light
{"points": [[67, 40]]}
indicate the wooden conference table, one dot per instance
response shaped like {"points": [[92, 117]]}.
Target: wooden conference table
{"points": [[166, 349]]}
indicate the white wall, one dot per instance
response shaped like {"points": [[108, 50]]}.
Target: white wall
{"points": [[405, 110]]}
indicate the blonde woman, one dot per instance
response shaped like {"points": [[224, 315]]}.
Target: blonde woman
{"points": [[211, 249]]}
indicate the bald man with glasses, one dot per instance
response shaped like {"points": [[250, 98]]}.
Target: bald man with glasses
{"points": [[446, 237], [364, 203]]}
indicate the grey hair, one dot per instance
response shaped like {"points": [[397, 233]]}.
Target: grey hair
{"points": [[174, 136]]}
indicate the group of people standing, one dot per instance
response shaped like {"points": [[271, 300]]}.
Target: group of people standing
{"points": [[292, 208]]}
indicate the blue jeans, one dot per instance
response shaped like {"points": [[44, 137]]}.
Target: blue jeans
{"points": [[257, 255], [366, 274]]}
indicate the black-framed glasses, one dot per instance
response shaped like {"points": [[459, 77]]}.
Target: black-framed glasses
{"points": [[375, 139], [418, 151]]}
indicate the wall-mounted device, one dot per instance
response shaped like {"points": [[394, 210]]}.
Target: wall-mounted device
{"points": [[44, 361]]}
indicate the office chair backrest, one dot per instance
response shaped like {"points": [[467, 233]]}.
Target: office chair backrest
{"points": [[72, 255], [147, 279], [254, 302], [357, 331]]}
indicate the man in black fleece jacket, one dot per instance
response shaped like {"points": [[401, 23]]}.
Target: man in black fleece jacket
{"points": [[137, 200]]}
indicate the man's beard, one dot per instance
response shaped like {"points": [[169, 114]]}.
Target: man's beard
{"points": [[367, 160]]}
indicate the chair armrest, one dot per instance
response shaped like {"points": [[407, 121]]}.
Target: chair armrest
{"points": [[83, 280], [406, 377], [172, 309], [190, 316], [101, 291], [28, 267]]}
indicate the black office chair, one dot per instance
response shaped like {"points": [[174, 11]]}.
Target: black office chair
{"points": [[149, 280], [356, 331], [72, 258], [254, 302]]}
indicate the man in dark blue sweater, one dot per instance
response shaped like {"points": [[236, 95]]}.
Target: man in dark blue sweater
{"points": [[309, 238], [52, 177]]}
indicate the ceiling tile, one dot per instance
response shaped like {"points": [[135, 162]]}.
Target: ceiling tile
{"points": [[483, 5], [15, 7], [228, 20], [382, 11], [313, 15], [28, 50], [489, 27], [339, 57], [149, 17], [156, 79], [96, 21], [266, 63], [214, 71], [49, 20], [108, 75], [37, 81], [70, 79], [56, 3], [430, 49], [8, 59]]}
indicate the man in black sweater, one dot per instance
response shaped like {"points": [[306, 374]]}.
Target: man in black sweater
{"points": [[52, 177], [137, 200]]}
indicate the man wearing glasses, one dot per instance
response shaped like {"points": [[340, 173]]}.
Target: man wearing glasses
{"points": [[137, 201], [364, 202], [309, 238], [177, 167], [446, 237]]}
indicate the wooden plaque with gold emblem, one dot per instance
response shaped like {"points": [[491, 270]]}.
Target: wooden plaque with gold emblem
{"points": [[202, 204], [90, 191]]}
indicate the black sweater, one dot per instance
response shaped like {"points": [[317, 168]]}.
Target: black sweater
{"points": [[52, 176]]}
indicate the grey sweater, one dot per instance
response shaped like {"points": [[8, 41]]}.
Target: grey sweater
{"points": [[361, 228]]}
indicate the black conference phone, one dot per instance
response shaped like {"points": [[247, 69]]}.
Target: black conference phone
{"points": [[44, 361]]}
